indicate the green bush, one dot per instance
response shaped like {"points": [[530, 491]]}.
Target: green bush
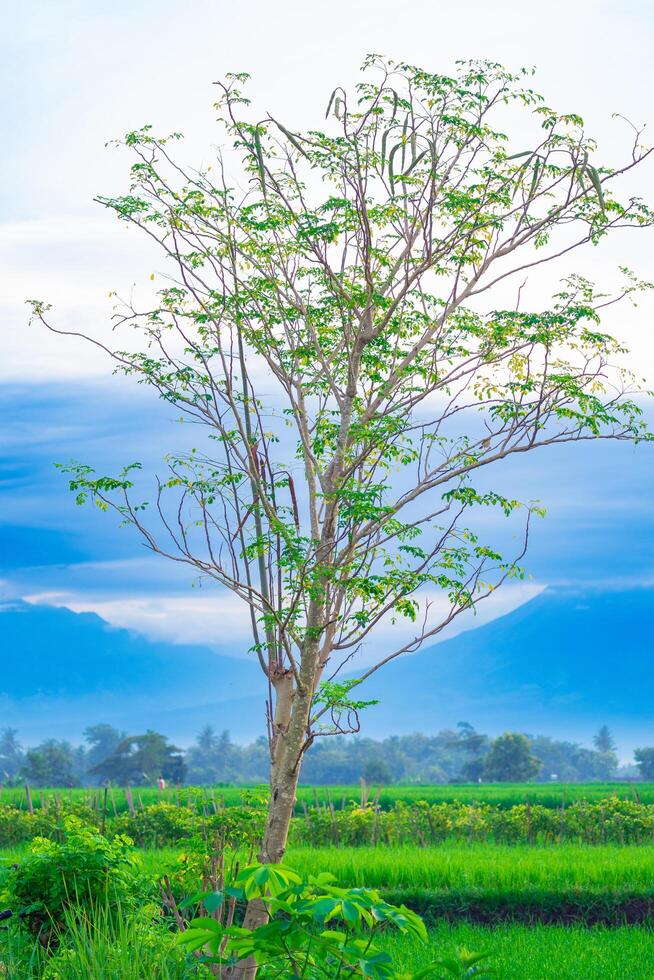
{"points": [[164, 824], [18, 826], [83, 869], [159, 825], [612, 820], [315, 930]]}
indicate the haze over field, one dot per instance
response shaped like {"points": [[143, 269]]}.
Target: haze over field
{"points": [[547, 667]]}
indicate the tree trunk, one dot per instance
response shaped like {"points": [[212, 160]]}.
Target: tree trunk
{"points": [[284, 774]]}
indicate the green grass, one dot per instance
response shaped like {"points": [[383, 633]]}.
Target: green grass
{"points": [[537, 953], [485, 867], [474, 868], [105, 945], [457, 876], [492, 883], [481, 883], [499, 794]]}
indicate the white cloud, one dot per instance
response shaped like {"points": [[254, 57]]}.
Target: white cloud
{"points": [[73, 254], [389, 636], [220, 620]]}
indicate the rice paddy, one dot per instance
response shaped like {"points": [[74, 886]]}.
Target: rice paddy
{"points": [[565, 910], [537, 952], [496, 794]]}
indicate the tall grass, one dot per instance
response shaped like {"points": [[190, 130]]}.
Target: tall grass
{"points": [[101, 945], [107, 945]]}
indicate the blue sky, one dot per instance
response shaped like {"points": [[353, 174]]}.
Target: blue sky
{"points": [[80, 73]]}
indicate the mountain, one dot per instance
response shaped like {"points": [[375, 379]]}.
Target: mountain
{"points": [[63, 670], [562, 664]]}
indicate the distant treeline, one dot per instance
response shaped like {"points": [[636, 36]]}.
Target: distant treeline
{"points": [[454, 755]]}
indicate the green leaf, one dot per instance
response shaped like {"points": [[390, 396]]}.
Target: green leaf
{"points": [[210, 925], [259, 156], [350, 912], [213, 901], [324, 908], [597, 184]]}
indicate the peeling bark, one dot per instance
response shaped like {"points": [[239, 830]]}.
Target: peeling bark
{"points": [[282, 681]]}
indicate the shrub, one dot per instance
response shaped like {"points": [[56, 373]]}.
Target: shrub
{"points": [[18, 826], [316, 930], [606, 821], [84, 869], [165, 824]]}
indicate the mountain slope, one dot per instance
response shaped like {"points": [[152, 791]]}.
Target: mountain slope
{"points": [[563, 663], [64, 670]]}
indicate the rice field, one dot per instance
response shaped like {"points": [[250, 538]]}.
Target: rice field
{"points": [[485, 867], [496, 794], [537, 952], [567, 911], [456, 868], [487, 883]]}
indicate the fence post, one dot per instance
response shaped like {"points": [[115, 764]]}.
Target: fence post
{"points": [[130, 799]]}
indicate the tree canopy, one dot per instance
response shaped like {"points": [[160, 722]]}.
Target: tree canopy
{"points": [[344, 319], [510, 760], [141, 760]]}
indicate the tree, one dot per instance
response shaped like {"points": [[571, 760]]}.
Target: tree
{"points": [[377, 770], [472, 771], [52, 763], [102, 740], [336, 311], [471, 740], [645, 762], [213, 758], [509, 760], [604, 741], [12, 756], [605, 745], [570, 762], [141, 759]]}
